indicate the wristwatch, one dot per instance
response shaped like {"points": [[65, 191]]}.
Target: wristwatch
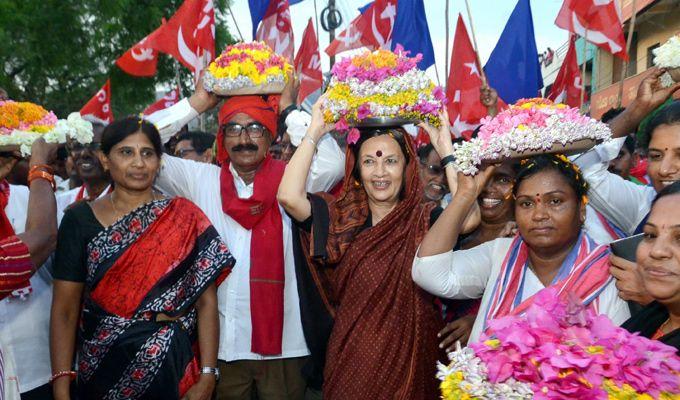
{"points": [[211, 370]]}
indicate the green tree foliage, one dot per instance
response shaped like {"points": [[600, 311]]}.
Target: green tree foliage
{"points": [[58, 53]]}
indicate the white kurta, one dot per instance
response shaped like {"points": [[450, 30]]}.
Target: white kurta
{"points": [[24, 323], [623, 202], [471, 274], [66, 199], [200, 183]]}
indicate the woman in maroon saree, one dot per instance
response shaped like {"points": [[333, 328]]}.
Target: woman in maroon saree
{"points": [[148, 325], [383, 341]]}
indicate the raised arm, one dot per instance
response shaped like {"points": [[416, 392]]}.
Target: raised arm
{"points": [[443, 235], [328, 162], [650, 95], [40, 235], [292, 194], [172, 119]]}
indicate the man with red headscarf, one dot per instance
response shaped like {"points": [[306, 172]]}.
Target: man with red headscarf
{"points": [[262, 345]]}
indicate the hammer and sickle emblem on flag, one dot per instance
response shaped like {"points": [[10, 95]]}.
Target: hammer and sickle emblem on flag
{"points": [[143, 55]]}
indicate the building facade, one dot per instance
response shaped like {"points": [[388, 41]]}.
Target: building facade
{"points": [[656, 21]]}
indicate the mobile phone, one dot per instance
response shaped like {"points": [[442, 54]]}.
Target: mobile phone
{"points": [[627, 247]]}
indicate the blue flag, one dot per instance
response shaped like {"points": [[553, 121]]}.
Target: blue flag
{"points": [[257, 10], [412, 32], [513, 68], [363, 8]]}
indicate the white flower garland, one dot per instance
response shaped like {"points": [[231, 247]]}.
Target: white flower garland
{"points": [[476, 381], [74, 127], [668, 56], [210, 82]]}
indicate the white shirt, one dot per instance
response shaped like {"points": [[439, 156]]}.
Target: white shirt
{"points": [[65, 199], [200, 183], [623, 202], [24, 323], [595, 229], [467, 274]]}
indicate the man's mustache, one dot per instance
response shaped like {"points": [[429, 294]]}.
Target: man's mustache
{"points": [[245, 147]]}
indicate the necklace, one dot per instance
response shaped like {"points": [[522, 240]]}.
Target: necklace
{"points": [[118, 213]]}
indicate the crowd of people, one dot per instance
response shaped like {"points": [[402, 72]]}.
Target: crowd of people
{"points": [[272, 260]]}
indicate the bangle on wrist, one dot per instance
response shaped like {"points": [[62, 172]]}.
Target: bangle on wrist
{"points": [[309, 139], [450, 159], [61, 374], [43, 167], [40, 174], [287, 110], [211, 371]]}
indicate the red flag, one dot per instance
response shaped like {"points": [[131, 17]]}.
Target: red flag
{"points": [[308, 64], [189, 35], [140, 60], [567, 86], [171, 98], [372, 29], [463, 85], [276, 28], [598, 20], [422, 138], [100, 104]]}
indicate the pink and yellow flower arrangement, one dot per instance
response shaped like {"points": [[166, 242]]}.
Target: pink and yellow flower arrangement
{"points": [[249, 67], [528, 126], [21, 123], [560, 350], [381, 83]]}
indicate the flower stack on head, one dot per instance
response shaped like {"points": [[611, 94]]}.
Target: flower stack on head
{"points": [[560, 350], [382, 85], [21, 123], [668, 56], [247, 68], [530, 127]]}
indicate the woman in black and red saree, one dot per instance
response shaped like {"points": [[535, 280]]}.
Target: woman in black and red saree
{"points": [[146, 268]]}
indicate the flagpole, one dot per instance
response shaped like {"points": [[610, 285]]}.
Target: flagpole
{"points": [[234, 19], [474, 42], [436, 72], [446, 53], [177, 77], [583, 70], [316, 22], [629, 41]]}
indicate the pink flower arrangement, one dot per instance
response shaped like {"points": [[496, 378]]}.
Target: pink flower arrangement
{"points": [[381, 84], [530, 125], [563, 351], [246, 65]]}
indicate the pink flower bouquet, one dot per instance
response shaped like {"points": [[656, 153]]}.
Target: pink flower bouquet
{"points": [[381, 84], [560, 350], [530, 126]]}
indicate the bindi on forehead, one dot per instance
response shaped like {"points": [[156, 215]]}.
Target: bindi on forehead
{"points": [[379, 153]]}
